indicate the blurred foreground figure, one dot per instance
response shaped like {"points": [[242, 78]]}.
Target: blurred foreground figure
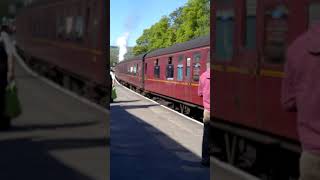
{"points": [[204, 91], [301, 94], [6, 72]]}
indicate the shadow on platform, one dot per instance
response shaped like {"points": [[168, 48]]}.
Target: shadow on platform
{"points": [[33, 127], [117, 102], [139, 150], [26, 159], [139, 106], [31, 155]]}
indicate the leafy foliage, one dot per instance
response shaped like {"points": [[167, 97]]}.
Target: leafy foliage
{"points": [[114, 54], [183, 24], [114, 51]]}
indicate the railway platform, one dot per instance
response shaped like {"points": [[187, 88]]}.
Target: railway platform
{"points": [[58, 136], [152, 142]]}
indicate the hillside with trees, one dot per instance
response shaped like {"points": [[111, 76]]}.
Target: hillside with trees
{"points": [[114, 54], [114, 51], [185, 23]]}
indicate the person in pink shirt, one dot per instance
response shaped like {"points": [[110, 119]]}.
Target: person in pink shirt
{"points": [[301, 94], [204, 92]]}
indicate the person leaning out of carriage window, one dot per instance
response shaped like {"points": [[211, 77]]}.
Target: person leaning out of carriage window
{"points": [[6, 72], [301, 94], [204, 92]]}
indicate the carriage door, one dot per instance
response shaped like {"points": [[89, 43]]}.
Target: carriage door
{"points": [[187, 72], [273, 45], [245, 64], [222, 49]]}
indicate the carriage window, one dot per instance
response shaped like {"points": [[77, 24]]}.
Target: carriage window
{"points": [[94, 32], [60, 27], [79, 28], [250, 31], [170, 60], [170, 69], [180, 68], [224, 34], [69, 25], [156, 69], [276, 34], [137, 70], [314, 13], [188, 65], [134, 69], [196, 66], [88, 16]]}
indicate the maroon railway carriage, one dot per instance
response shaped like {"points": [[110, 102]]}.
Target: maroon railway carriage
{"points": [[65, 40], [250, 39], [171, 74], [174, 72], [130, 72]]}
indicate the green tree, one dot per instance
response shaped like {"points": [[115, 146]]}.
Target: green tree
{"points": [[183, 24], [114, 51], [129, 54], [175, 18], [196, 20], [143, 43], [159, 34]]}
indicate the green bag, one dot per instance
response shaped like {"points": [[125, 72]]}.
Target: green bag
{"points": [[114, 93], [12, 103]]}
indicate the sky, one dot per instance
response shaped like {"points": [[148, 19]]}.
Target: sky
{"points": [[130, 17]]}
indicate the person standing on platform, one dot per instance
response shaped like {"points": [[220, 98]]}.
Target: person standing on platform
{"points": [[112, 77], [301, 94], [204, 92], [6, 72]]}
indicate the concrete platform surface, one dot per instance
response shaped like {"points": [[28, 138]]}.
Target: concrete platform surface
{"points": [[56, 138], [151, 142]]}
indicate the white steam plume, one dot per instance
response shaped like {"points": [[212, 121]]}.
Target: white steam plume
{"points": [[122, 44]]}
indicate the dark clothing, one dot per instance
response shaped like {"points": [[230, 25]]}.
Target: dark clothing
{"points": [[4, 121], [3, 66], [205, 142], [205, 137]]}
